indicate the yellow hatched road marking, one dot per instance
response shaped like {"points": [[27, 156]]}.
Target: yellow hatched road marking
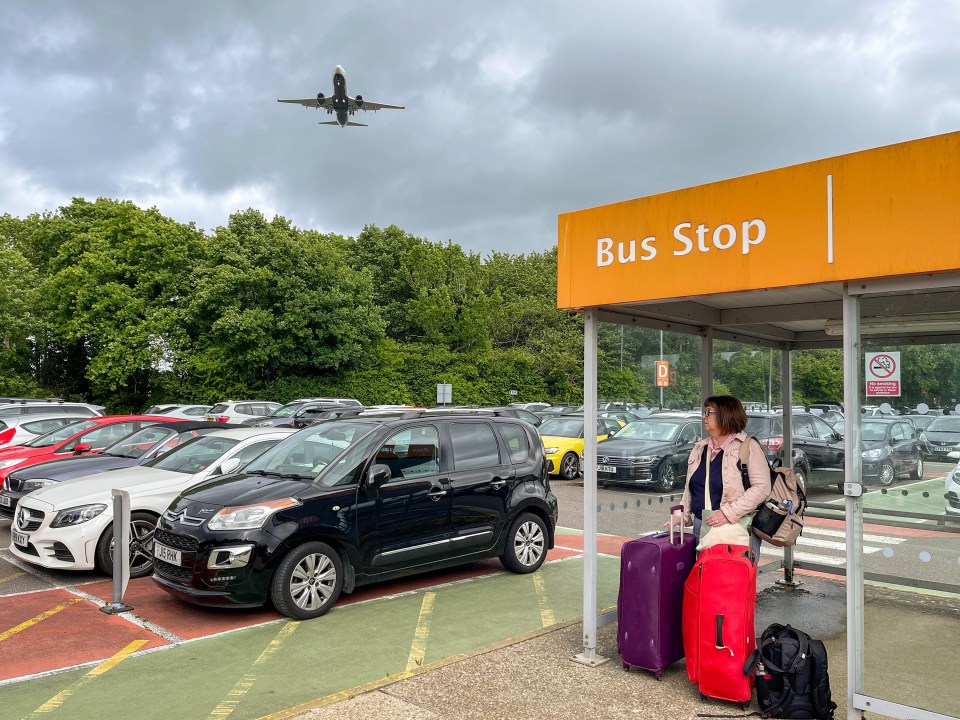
{"points": [[8, 578], [546, 613], [39, 618], [418, 650], [57, 700], [236, 694]]}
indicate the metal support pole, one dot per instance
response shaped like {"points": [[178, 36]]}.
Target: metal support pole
{"points": [[121, 552], [706, 363], [590, 328], [786, 395], [854, 502], [661, 360]]}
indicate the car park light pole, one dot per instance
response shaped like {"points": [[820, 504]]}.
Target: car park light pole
{"points": [[121, 552]]}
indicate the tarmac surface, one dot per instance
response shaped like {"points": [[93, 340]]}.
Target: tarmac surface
{"points": [[534, 676]]}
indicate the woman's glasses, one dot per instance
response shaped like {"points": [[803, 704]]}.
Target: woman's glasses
{"points": [[708, 413]]}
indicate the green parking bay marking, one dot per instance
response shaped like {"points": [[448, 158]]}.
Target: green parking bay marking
{"points": [[57, 700], [419, 648], [237, 693]]}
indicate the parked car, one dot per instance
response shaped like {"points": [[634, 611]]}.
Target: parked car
{"points": [[180, 411], [651, 452], [530, 406], [84, 436], [818, 451], [831, 417], [555, 410], [622, 416], [951, 492], [920, 422], [45, 407], [23, 428], [69, 526], [353, 501], [138, 448], [563, 442], [234, 411], [891, 448], [941, 438]]}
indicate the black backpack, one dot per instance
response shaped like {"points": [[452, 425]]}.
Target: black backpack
{"points": [[791, 675]]}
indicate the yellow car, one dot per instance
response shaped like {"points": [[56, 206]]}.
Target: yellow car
{"points": [[563, 442]]}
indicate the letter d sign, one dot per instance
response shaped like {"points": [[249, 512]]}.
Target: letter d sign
{"points": [[663, 373]]}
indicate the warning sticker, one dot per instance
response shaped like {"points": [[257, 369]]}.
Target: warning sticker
{"points": [[883, 374]]}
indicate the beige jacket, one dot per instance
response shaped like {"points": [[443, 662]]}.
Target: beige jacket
{"points": [[735, 502]]}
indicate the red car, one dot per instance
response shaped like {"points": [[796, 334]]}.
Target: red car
{"points": [[90, 435]]}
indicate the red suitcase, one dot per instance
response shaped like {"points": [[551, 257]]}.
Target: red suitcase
{"points": [[653, 570], [719, 602]]}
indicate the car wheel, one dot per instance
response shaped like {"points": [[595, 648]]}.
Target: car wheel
{"points": [[917, 473], [142, 525], [308, 581], [887, 475], [801, 473], [569, 466], [666, 477], [526, 544]]}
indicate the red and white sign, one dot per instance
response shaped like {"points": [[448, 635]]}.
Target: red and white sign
{"points": [[883, 374], [663, 373]]}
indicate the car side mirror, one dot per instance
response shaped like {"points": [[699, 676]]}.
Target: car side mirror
{"points": [[377, 475], [82, 448], [230, 465]]}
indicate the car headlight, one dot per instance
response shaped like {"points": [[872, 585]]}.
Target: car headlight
{"points": [[874, 454], [29, 485], [550, 451], [248, 517], [9, 463], [77, 515], [646, 460]]}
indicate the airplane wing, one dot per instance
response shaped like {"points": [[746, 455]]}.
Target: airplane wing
{"points": [[370, 105], [351, 122], [309, 102]]}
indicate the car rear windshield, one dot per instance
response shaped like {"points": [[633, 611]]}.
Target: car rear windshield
{"points": [[763, 427], [219, 408], [562, 427], [60, 434], [651, 430], [945, 424]]}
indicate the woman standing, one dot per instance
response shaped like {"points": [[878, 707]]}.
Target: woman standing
{"points": [[716, 457]]}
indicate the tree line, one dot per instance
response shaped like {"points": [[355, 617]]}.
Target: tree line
{"points": [[105, 301]]}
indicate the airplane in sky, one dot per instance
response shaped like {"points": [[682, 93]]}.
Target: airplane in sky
{"points": [[340, 103]]}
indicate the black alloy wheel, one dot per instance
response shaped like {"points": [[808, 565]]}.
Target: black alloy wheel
{"points": [[526, 547], [917, 473], [569, 466], [666, 476], [142, 525], [308, 581]]}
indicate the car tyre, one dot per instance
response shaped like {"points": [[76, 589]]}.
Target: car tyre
{"points": [[887, 474], [142, 525], [801, 472], [666, 477], [917, 473], [526, 547], [308, 581], [569, 466]]}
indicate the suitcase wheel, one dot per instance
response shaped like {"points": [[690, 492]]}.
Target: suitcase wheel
{"points": [[658, 675], [626, 666]]}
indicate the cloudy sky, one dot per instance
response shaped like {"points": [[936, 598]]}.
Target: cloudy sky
{"points": [[515, 112]]}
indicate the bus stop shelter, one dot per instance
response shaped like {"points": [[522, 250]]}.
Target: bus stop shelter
{"points": [[815, 255]]}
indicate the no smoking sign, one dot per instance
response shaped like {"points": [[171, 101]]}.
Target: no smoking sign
{"points": [[883, 374]]}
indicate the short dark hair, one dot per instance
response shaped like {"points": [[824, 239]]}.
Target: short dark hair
{"points": [[731, 417]]}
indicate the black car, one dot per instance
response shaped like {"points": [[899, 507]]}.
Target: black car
{"points": [[353, 501], [942, 437], [651, 452], [281, 417], [817, 448], [135, 449], [891, 448]]}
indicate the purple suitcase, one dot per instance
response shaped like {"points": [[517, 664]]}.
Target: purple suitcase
{"points": [[653, 570]]}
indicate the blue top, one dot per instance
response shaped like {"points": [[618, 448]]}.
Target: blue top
{"points": [[698, 479]]}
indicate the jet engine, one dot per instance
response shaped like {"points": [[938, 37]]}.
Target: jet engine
{"points": [[359, 101], [320, 98]]}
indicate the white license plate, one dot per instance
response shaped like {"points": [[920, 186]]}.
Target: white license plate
{"points": [[21, 539], [607, 468], [5, 501], [168, 555], [941, 449]]}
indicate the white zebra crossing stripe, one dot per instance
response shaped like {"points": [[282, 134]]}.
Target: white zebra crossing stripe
{"points": [[805, 541]]}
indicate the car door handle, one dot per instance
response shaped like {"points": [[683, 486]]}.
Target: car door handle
{"points": [[436, 493], [498, 483]]}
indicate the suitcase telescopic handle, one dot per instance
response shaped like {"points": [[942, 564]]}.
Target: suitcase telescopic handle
{"points": [[673, 511]]}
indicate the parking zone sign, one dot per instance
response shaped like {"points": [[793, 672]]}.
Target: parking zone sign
{"points": [[663, 373], [883, 374]]}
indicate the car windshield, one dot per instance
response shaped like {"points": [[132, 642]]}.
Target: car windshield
{"points": [[61, 434], [945, 424], [308, 452], [921, 422], [651, 430], [194, 456], [135, 445], [286, 410], [562, 427], [873, 431], [761, 427]]}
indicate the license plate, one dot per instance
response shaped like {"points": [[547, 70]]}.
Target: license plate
{"points": [[21, 539], [168, 555], [607, 468], [5, 501], [941, 449]]}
